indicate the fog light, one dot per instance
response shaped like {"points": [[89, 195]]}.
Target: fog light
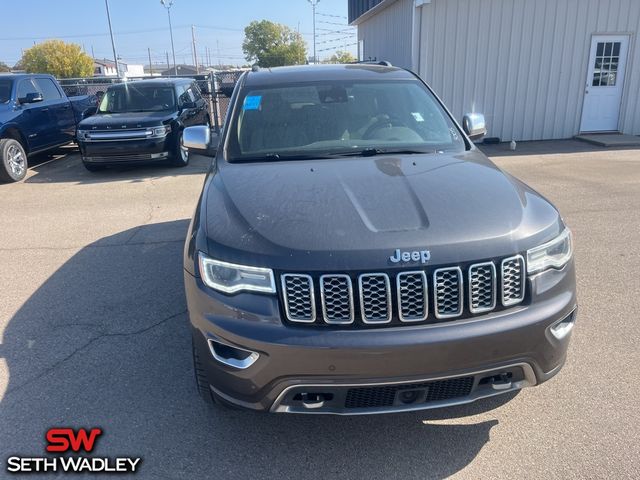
{"points": [[232, 356], [562, 328]]}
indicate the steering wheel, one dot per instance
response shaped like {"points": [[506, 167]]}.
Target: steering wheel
{"points": [[382, 121]]}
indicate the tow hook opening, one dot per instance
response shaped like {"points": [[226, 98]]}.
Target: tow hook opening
{"points": [[313, 399], [501, 381]]}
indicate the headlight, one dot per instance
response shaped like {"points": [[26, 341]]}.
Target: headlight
{"points": [[159, 131], [232, 278], [82, 134], [553, 254]]}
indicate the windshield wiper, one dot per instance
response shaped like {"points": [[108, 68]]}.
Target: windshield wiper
{"points": [[370, 152], [274, 157]]}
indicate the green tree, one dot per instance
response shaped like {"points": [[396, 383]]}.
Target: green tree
{"points": [[63, 60], [342, 57], [271, 44], [4, 67]]}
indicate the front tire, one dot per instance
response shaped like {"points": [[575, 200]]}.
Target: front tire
{"points": [[180, 154], [202, 384], [13, 160], [92, 167]]}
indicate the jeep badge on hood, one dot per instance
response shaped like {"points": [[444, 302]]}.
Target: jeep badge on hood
{"points": [[422, 256]]}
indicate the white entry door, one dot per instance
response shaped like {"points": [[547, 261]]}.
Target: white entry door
{"points": [[605, 81]]}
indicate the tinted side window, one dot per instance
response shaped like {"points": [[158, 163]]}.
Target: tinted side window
{"points": [[184, 97], [48, 89], [195, 91], [24, 87]]}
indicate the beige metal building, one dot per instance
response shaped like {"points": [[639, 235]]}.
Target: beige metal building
{"points": [[538, 69]]}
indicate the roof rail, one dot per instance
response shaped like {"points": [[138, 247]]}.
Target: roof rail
{"points": [[373, 61]]}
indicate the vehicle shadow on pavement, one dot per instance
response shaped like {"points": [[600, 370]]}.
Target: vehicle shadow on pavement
{"points": [[65, 166], [104, 342]]}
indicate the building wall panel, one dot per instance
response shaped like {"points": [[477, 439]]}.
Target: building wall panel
{"points": [[524, 63]]}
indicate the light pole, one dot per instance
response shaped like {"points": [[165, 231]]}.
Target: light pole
{"points": [[113, 43], [167, 4], [313, 6]]}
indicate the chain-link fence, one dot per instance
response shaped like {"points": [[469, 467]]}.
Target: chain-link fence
{"points": [[216, 88]]}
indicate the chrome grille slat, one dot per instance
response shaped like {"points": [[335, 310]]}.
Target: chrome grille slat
{"points": [[447, 292], [482, 287], [375, 297], [299, 299], [413, 296], [513, 285], [336, 294]]}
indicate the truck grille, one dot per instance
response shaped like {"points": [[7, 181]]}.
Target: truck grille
{"points": [[512, 280], [386, 395], [482, 287], [403, 297]]}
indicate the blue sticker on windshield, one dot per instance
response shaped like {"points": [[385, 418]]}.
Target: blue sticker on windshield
{"points": [[252, 102]]}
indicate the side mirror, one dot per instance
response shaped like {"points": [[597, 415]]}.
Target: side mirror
{"points": [[474, 126], [32, 97], [200, 140]]}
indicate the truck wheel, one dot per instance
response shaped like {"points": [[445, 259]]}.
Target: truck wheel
{"points": [[92, 167], [13, 160], [202, 384], [180, 154]]}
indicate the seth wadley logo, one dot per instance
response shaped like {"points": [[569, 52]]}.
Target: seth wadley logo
{"points": [[63, 440], [422, 256]]}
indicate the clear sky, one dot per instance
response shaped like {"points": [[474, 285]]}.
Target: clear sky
{"points": [[142, 24]]}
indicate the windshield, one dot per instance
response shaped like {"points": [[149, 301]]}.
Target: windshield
{"points": [[340, 118], [5, 90], [138, 98]]}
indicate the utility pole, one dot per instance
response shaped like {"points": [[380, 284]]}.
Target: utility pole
{"points": [[195, 52], [167, 54], [218, 50], [167, 4], [92, 54], [313, 6], [150, 64], [113, 43]]}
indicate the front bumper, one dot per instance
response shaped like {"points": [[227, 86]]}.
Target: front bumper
{"points": [[127, 151], [321, 370]]}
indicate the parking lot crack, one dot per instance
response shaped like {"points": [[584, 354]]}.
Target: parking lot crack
{"points": [[89, 343]]}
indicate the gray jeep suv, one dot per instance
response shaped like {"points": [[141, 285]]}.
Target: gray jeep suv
{"points": [[353, 252]]}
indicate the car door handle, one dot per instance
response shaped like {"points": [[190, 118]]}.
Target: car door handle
{"points": [[44, 109], [65, 107]]}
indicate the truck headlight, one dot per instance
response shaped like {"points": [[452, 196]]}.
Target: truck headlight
{"points": [[158, 132], [82, 134], [231, 278], [553, 254]]}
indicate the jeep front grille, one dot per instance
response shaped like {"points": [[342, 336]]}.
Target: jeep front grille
{"points": [[337, 298], [403, 297], [413, 296], [512, 280], [447, 292], [299, 299], [375, 297], [482, 287]]}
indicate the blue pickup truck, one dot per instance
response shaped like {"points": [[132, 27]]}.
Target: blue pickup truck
{"points": [[35, 115]]}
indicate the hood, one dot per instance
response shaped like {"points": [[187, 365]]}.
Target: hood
{"points": [[354, 213], [121, 121]]}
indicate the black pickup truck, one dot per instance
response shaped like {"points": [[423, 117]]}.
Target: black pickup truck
{"points": [[35, 115]]}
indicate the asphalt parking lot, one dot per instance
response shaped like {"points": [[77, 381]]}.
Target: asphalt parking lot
{"points": [[93, 332]]}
